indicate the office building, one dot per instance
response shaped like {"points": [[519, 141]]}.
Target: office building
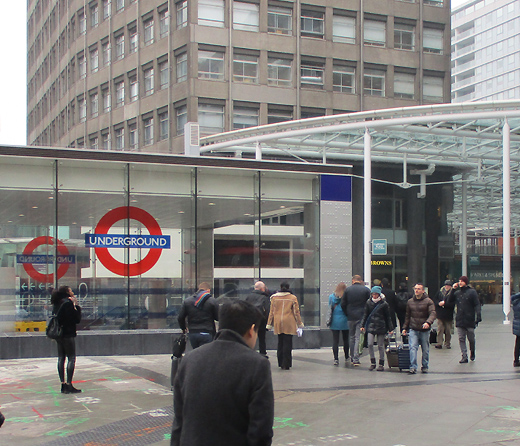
{"points": [[485, 51], [128, 74]]}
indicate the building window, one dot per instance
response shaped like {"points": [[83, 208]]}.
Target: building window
{"points": [[182, 14], [433, 41], [94, 105], [312, 75], [246, 16], [279, 20], [120, 5], [404, 85], [94, 16], [120, 138], [164, 23], [343, 29], [148, 31], [120, 46], [82, 109], [134, 42], [107, 100], [433, 89], [211, 13], [148, 81], [148, 131], [82, 66], [181, 118], [134, 88], [211, 119], [105, 140], [374, 83], [182, 67], [244, 117], [275, 115], [374, 33], [82, 23], [312, 23], [105, 50], [404, 37], [245, 68], [163, 126], [279, 72], [94, 60], [344, 79], [107, 8], [94, 142], [438, 3], [211, 65], [164, 75], [133, 136], [120, 94]]}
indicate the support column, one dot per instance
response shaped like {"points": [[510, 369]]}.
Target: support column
{"points": [[367, 230], [506, 199], [464, 229]]}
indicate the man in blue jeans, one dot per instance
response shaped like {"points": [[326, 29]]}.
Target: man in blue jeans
{"points": [[420, 315]]}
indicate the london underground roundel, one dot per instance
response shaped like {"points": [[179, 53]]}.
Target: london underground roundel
{"points": [[101, 240], [29, 267]]}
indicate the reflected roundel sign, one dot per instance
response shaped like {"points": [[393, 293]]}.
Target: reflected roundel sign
{"points": [[31, 270], [103, 254]]}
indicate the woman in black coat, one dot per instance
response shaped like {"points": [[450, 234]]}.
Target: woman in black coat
{"points": [[65, 305]]}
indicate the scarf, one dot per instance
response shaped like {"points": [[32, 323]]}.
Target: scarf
{"points": [[201, 297], [377, 299]]}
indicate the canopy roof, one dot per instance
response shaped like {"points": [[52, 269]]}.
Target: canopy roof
{"points": [[467, 137]]}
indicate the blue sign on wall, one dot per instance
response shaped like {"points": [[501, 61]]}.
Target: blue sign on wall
{"points": [[127, 241], [336, 187], [379, 247]]}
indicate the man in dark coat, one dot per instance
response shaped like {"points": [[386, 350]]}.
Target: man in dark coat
{"points": [[223, 391], [444, 315], [468, 315], [261, 300], [201, 311], [353, 305]]}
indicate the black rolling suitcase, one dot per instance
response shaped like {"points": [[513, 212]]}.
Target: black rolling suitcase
{"points": [[403, 353], [392, 355]]}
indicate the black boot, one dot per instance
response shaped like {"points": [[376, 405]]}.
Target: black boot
{"points": [[72, 389], [472, 355], [65, 388], [373, 365], [381, 367]]}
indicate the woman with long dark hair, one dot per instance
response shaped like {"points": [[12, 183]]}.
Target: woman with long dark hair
{"points": [[65, 305], [285, 317]]}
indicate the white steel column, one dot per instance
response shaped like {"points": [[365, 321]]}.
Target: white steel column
{"points": [[464, 229], [506, 199], [367, 222]]}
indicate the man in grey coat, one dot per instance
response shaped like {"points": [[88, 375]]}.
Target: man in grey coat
{"points": [[223, 391]]}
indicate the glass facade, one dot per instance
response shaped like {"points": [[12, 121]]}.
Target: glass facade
{"points": [[134, 239]]}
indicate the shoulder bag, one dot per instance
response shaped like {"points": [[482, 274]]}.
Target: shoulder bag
{"points": [[54, 330]]}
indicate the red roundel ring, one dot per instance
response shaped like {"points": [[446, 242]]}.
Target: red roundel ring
{"points": [[31, 270], [104, 256]]}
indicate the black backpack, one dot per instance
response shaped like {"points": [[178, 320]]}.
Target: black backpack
{"points": [[54, 330]]}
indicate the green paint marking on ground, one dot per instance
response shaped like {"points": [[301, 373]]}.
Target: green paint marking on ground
{"points": [[59, 433], [76, 421], [499, 431], [287, 422], [21, 419], [54, 394], [509, 407], [167, 436]]}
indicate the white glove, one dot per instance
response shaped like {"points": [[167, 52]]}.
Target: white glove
{"points": [[299, 332]]}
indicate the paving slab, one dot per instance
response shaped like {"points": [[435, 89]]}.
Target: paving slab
{"points": [[126, 400]]}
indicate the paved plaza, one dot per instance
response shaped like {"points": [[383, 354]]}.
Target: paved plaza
{"points": [[126, 400]]}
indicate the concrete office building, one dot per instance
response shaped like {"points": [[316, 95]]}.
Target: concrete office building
{"points": [[128, 74], [485, 51]]}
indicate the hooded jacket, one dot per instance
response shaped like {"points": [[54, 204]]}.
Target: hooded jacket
{"points": [[380, 321], [284, 314], [419, 311], [468, 306]]}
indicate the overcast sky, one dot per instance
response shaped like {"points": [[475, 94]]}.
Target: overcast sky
{"points": [[13, 60]]}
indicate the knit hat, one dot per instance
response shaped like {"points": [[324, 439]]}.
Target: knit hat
{"points": [[376, 289], [448, 282], [464, 279]]}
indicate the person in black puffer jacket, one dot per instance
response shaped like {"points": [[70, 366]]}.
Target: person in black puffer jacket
{"points": [[377, 321], [65, 305], [444, 314], [515, 302]]}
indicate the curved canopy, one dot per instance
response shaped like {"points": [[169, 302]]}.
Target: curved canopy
{"points": [[467, 137]]}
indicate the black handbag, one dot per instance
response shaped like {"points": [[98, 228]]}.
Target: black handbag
{"points": [[54, 330], [179, 345]]}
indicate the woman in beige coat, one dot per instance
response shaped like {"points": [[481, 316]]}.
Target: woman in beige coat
{"points": [[285, 317]]}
